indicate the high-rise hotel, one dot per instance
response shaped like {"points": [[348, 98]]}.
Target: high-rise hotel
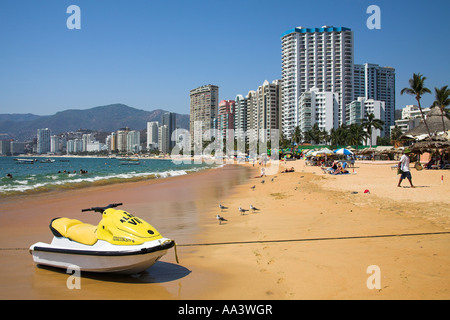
{"points": [[315, 58], [378, 83], [204, 110]]}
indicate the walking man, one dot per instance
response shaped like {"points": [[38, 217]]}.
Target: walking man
{"points": [[404, 167]]}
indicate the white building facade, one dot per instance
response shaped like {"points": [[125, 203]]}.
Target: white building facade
{"points": [[152, 135], [43, 141], [318, 107], [358, 110], [319, 58]]}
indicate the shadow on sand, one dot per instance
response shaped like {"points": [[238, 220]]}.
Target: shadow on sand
{"points": [[160, 272]]}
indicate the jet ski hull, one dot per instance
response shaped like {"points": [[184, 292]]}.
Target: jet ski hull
{"points": [[101, 257]]}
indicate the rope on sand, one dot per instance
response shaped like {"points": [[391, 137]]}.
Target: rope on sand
{"points": [[315, 239], [291, 240]]}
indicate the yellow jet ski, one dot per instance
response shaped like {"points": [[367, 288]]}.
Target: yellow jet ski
{"points": [[120, 243]]}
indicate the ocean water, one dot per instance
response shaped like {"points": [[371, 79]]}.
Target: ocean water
{"points": [[64, 173]]}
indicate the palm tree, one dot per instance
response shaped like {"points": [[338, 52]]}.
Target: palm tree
{"points": [[357, 134], [370, 123], [339, 136], [297, 135], [396, 133], [417, 89], [442, 101], [316, 134]]}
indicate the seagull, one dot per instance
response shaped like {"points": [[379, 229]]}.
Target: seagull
{"points": [[242, 211], [253, 208], [222, 207], [220, 219], [253, 188]]}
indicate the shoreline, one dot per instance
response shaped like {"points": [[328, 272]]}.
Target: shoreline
{"points": [[330, 236], [77, 180]]}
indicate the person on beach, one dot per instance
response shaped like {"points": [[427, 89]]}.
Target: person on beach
{"points": [[404, 167]]}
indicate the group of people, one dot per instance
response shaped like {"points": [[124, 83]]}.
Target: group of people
{"points": [[438, 161], [337, 168], [74, 171]]}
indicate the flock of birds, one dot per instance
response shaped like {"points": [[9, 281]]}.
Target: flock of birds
{"points": [[241, 210]]}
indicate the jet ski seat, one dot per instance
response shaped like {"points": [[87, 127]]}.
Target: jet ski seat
{"points": [[74, 230]]}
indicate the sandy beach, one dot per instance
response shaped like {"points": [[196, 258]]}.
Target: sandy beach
{"points": [[314, 237]]}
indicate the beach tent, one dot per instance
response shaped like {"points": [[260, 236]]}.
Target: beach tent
{"points": [[343, 151]]}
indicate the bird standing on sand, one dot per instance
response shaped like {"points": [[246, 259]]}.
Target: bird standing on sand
{"points": [[262, 181], [242, 211], [220, 219], [253, 188], [253, 208], [222, 207]]}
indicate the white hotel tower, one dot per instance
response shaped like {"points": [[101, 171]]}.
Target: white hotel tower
{"points": [[319, 58]]}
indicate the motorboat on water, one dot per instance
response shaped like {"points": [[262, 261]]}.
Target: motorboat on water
{"points": [[24, 161], [120, 243]]}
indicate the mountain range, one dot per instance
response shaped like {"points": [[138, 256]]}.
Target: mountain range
{"points": [[23, 127]]}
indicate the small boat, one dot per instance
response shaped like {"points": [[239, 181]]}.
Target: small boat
{"points": [[128, 158], [121, 243], [130, 163], [48, 160], [24, 161]]}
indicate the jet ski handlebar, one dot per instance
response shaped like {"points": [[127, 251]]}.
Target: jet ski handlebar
{"points": [[101, 209]]}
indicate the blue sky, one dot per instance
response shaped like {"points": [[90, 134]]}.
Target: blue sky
{"points": [[150, 54]]}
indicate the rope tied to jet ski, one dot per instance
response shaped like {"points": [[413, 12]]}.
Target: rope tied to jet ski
{"points": [[284, 240]]}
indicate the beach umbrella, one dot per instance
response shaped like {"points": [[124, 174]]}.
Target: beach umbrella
{"points": [[322, 152], [343, 151], [309, 153]]}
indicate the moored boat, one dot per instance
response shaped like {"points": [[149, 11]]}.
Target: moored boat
{"points": [[121, 243]]}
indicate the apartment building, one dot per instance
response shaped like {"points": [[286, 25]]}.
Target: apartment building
{"points": [[169, 119], [318, 107], [319, 58], [163, 139], [240, 117], [225, 118], [43, 141], [377, 83], [204, 102], [133, 141], [152, 135], [411, 118], [357, 111], [268, 109]]}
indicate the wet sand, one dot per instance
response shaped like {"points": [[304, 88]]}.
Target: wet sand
{"points": [[314, 236], [171, 205]]}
